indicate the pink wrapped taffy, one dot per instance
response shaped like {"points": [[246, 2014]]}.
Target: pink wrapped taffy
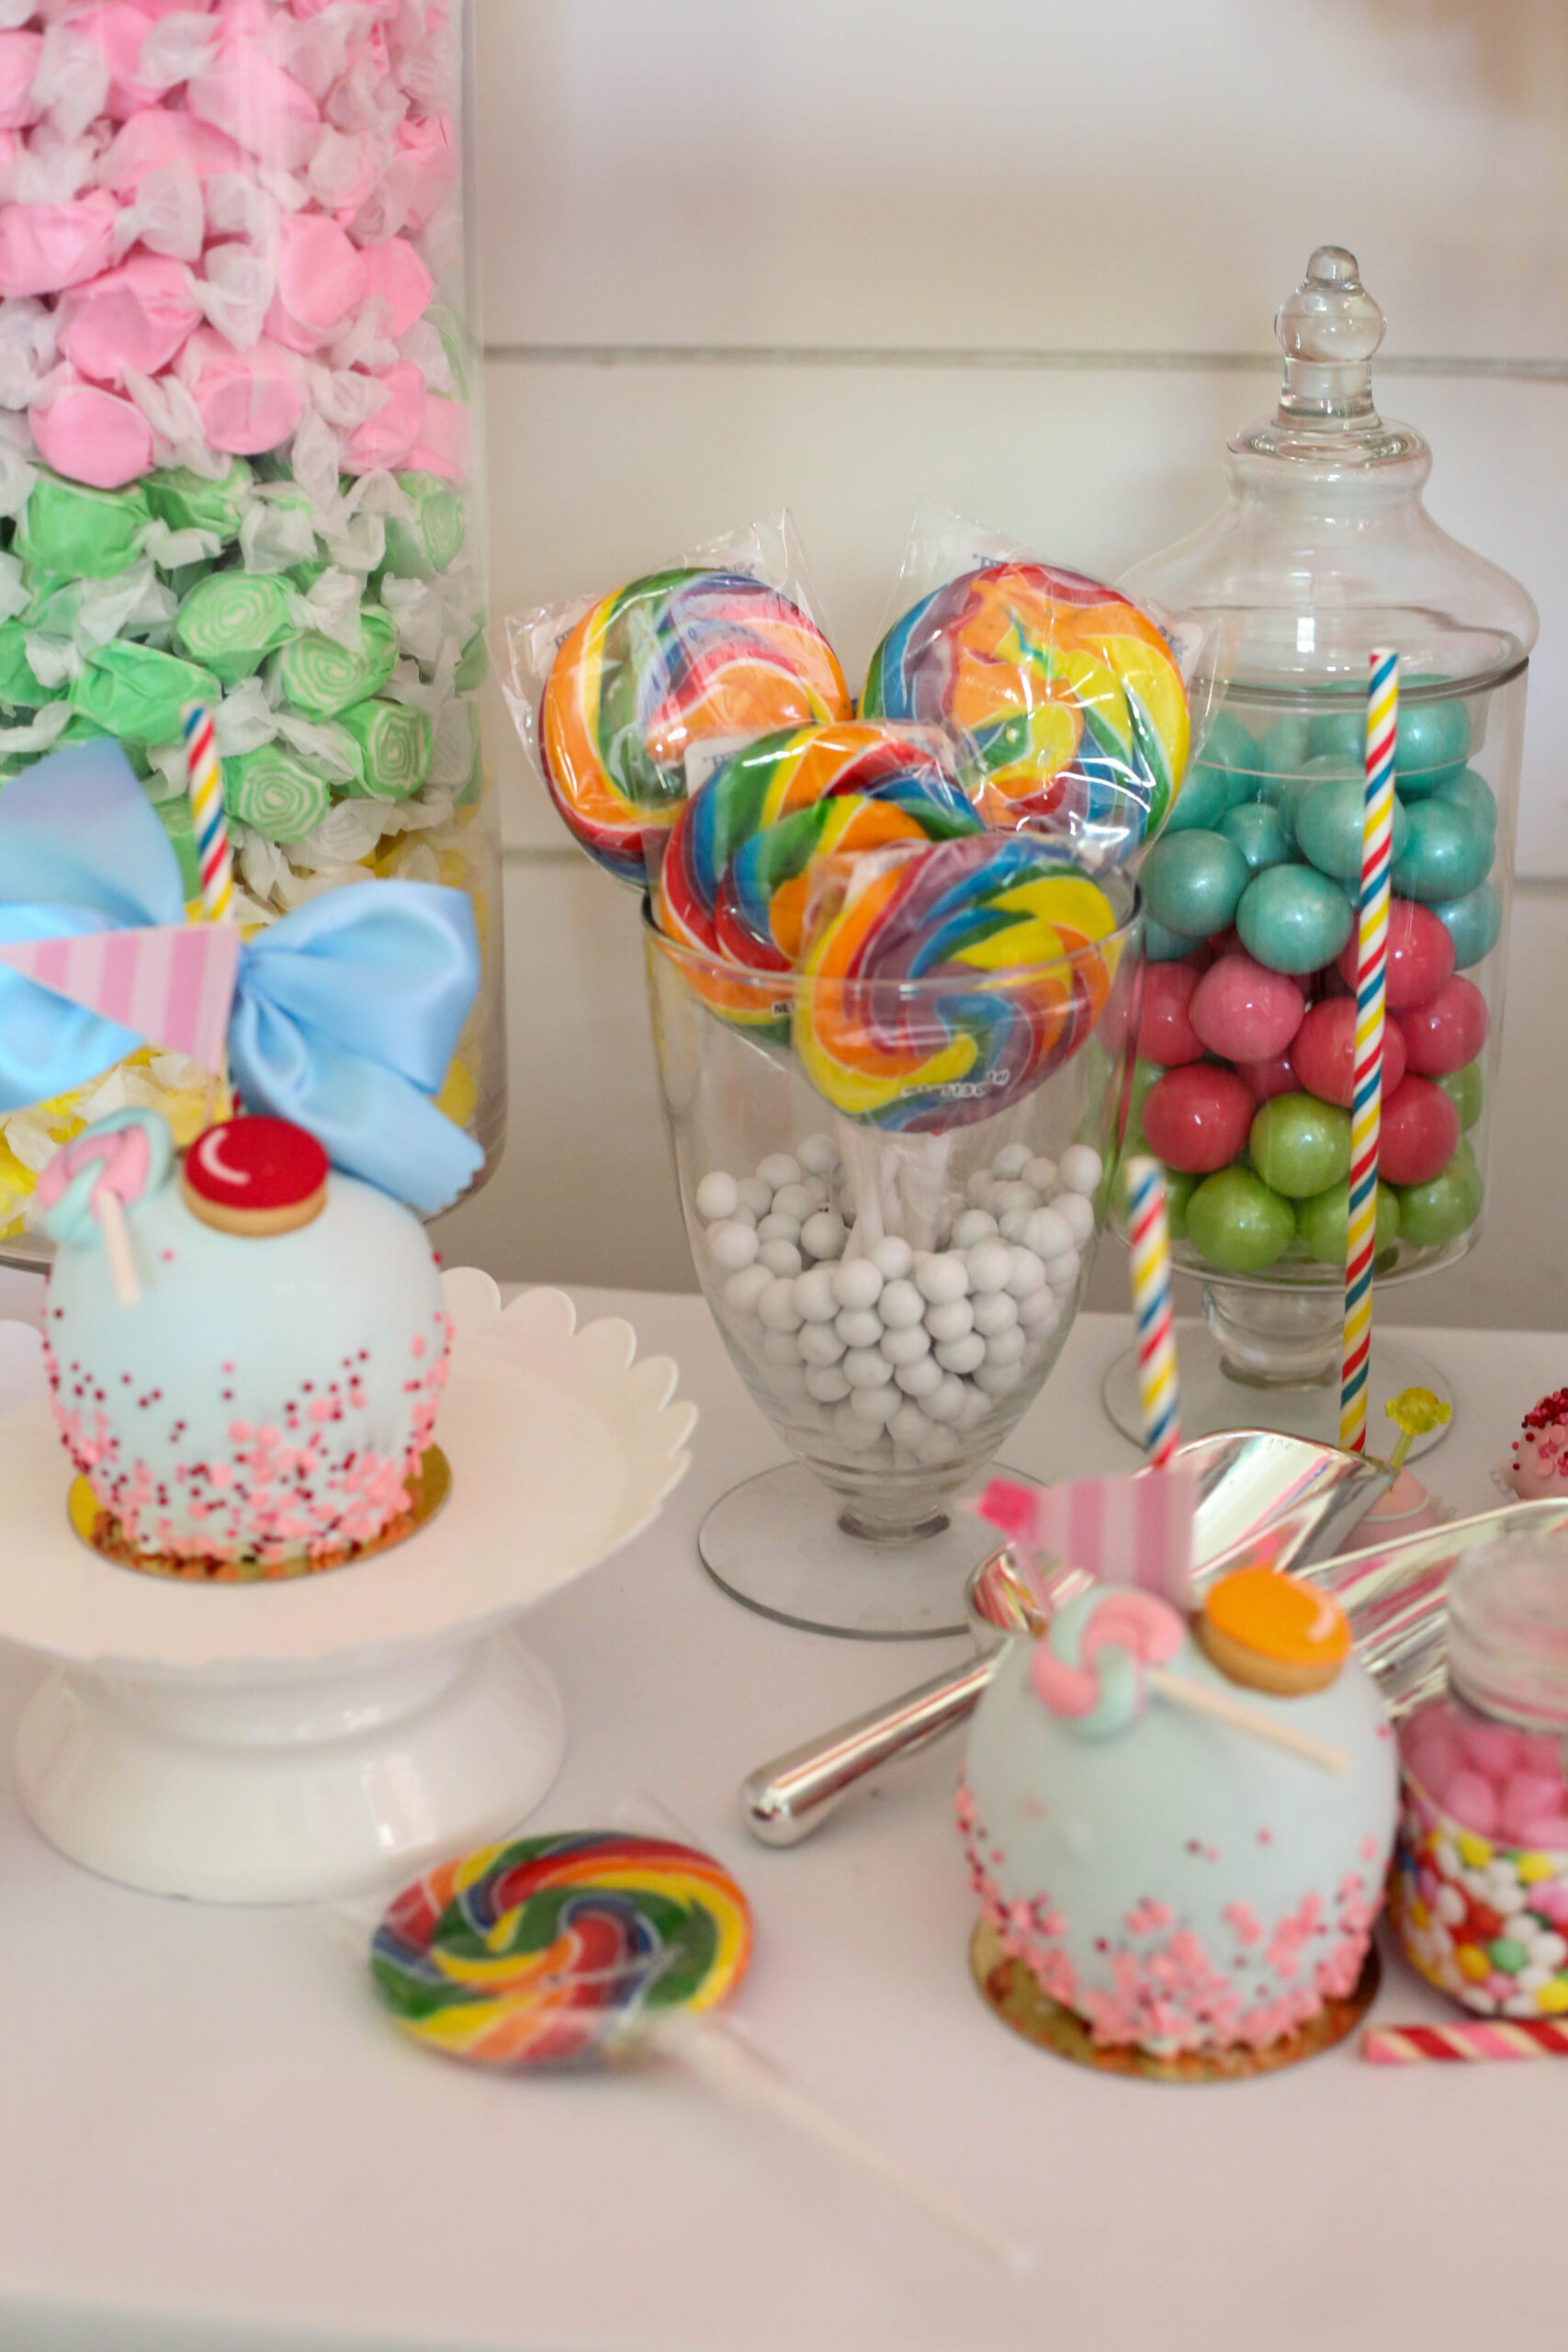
{"points": [[132, 320], [390, 437], [92, 436], [394, 272], [249, 401], [20, 53], [161, 140], [46, 247], [322, 281], [246, 94]]}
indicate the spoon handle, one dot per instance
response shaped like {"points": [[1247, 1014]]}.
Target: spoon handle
{"points": [[784, 1801]]}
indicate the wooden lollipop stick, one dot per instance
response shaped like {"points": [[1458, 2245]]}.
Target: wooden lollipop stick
{"points": [[1182, 1693], [117, 1245]]}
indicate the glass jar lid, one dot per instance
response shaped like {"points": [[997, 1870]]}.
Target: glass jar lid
{"points": [[1325, 548], [1508, 1631]]}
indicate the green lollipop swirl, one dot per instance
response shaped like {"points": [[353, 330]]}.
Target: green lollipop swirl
{"points": [[427, 541], [275, 794], [321, 677], [233, 620], [186, 502], [138, 694], [397, 742]]}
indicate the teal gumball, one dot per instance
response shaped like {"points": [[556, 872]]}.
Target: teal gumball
{"points": [[1293, 918], [1338, 737], [1469, 790], [1447, 853], [1236, 1224], [1259, 831], [1433, 744], [1229, 746], [1162, 946], [1323, 1222], [1326, 819], [1300, 1145], [1193, 881], [1286, 747], [1202, 801], [1474, 924], [1437, 1212]]}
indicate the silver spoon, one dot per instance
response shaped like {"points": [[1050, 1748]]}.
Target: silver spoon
{"points": [[1262, 1495]]}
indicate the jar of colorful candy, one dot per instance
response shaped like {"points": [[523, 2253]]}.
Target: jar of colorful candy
{"points": [[1480, 1890], [239, 371], [1324, 552]]}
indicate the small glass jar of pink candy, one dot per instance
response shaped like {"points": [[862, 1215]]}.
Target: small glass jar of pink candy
{"points": [[240, 360], [1243, 1087], [1479, 1894]]}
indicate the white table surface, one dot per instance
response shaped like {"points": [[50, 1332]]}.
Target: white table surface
{"points": [[212, 2141]]}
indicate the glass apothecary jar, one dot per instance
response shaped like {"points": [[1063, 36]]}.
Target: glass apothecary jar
{"points": [[241, 458], [1479, 1894], [1323, 553]]}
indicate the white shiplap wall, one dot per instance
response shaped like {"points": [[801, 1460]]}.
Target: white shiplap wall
{"points": [[1022, 258]]}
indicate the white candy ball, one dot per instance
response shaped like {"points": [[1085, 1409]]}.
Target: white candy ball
{"points": [[858, 1327], [732, 1246], [744, 1290], [1015, 1226], [962, 1355], [908, 1426], [990, 1263], [892, 1256], [857, 1282], [1048, 1234], [900, 1307], [818, 1344], [877, 1405], [824, 1235], [1006, 1347], [779, 1257], [1007, 1197], [945, 1401], [1042, 1174], [977, 1405], [941, 1279], [717, 1196], [867, 1368], [997, 1379], [1039, 1313], [906, 1345], [817, 1155], [921, 1378], [951, 1321], [776, 1227], [755, 1195], [854, 1434], [939, 1447], [778, 1347], [777, 1308], [979, 1184], [779, 1169], [794, 1200], [1062, 1273], [1028, 1274], [1081, 1169], [1078, 1213], [814, 1296], [1011, 1160], [974, 1224], [995, 1310], [827, 1383]]}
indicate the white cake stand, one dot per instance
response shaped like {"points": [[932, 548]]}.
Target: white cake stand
{"points": [[330, 1735]]}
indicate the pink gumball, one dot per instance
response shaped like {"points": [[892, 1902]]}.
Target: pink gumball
{"points": [[1196, 1118], [321, 281], [19, 54], [1243, 1011], [1325, 1052], [132, 319], [1419, 1133], [1472, 1802], [46, 247], [1420, 954], [390, 437], [92, 436], [1529, 1797], [1270, 1078], [395, 273], [1491, 1749], [1448, 1030], [250, 400], [1166, 1036]]}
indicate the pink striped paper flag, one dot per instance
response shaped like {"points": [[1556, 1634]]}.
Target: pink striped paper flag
{"points": [[173, 984], [1136, 1529]]}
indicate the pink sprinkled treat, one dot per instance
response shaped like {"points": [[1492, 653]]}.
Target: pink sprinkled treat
{"points": [[1537, 1470]]}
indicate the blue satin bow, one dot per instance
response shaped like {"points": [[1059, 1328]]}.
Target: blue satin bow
{"points": [[346, 1012]]}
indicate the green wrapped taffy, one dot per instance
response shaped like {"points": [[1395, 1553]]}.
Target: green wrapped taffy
{"points": [[19, 690], [188, 501], [395, 742], [473, 666], [177, 821], [321, 677], [427, 541], [76, 532], [275, 794], [138, 694], [233, 620]]}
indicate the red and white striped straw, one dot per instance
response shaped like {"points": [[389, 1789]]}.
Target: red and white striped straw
{"points": [[1366, 1104], [1481, 2038]]}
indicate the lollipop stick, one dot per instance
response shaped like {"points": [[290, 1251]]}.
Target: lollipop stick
{"points": [[117, 1245], [1182, 1693], [726, 2061]]}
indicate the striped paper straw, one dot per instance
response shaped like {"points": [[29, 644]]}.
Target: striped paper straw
{"points": [[1149, 1234], [206, 781], [1411, 2045], [1366, 1104]]}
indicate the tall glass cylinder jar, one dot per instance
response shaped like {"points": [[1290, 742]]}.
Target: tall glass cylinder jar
{"points": [[1323, 553], [241, 458]]}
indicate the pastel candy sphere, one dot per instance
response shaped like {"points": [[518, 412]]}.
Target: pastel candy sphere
{"points": [[1324, 1054], [1244, 1011], [1337, 740], [1163, 946], [1323, 1222], [1192, 882], [1472, 792], [1197, 1117], [1259, 831], [1474, 924], [1445, 1206], [1270, 1078], [1300, 1145], [1166, 1033], [1419, 1133], [1465, 1091], [1448, 1031], [1432, 745], [1293, 918], [1284, 748], [1228, 745], [1236, 1224], [1420, 955], [1447, 853], [1326, 820], [1202, 801]]}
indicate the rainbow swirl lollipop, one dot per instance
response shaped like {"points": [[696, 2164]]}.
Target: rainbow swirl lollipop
{"points": [[1069, 696], [547, 1952], [953, 977], [671, 660]]}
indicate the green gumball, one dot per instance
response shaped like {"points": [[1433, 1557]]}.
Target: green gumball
{"points": [[1323, 1222], [1465, 1091], [1300, 1145], [1433, 742], [1260, 833], [1236, 1224], [1468, 790], [1435, 1213], [1326, 820], [1447, 853], [1293, 918], [1193, 881]]}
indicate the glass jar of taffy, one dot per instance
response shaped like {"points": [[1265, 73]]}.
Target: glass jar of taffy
{"points": [[1479, 1889], [1243, 1088], [239, 459]]}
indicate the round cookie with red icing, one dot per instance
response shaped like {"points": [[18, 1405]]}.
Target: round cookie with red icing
{"points": [[267, 1401]]}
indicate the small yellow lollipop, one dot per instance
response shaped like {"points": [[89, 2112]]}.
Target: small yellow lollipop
{"points": [[1414, 1412]]}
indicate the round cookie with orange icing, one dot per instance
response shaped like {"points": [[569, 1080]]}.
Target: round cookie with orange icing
{"points": [[1268, 1633]]}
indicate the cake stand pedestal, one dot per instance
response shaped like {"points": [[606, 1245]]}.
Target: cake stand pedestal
{"points": [[333, 1735]]}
